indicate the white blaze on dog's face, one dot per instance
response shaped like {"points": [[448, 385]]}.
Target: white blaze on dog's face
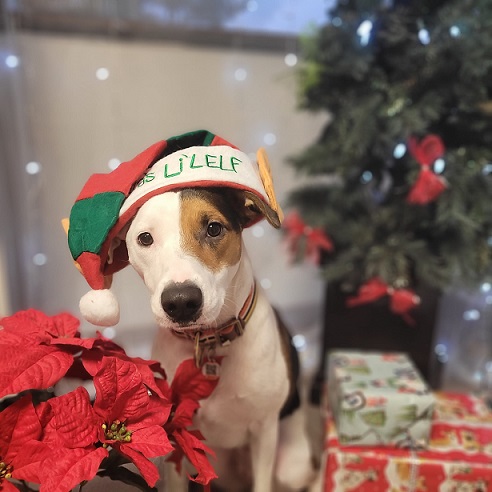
{"points": [[186, 246]]}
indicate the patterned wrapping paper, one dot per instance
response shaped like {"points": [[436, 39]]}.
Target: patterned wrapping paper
{"points": [[458, 459], [378, 399]]}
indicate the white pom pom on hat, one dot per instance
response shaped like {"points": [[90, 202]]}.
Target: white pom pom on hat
{"points": [[100, 307], [109, 201]]}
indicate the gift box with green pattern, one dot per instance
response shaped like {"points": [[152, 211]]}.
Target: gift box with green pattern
{"points": [[378, 399]]}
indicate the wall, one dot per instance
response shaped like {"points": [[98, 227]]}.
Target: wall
{"points": [[75, 123]]}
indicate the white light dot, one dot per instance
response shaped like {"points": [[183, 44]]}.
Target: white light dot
{"points": [[252, 6], [399, 151], [439, 166], [39, 259], [102, 73], [336, 21], [488, 300], [485, 287], [364, 31], [266, 283], [270, 139], [455, 31], [258, 231], [240, 74], [366, 177], [424, 36], [33, 167], [487, 169], [440, 349], [113, 163], [109, 333], [299, 342], [471, 315], [290, 59], [12, 61]]}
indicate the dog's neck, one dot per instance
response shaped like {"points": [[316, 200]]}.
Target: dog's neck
{"points": [[239, 289]]}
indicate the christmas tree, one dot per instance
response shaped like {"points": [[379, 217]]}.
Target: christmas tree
{"points": [[400, 179]]}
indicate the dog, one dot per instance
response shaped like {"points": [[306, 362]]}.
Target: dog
{"points": [[187, 246], [176, 213]]}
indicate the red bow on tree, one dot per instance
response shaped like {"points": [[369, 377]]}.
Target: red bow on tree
{"points": [[315, 240], [428, 185], [401, 300]]}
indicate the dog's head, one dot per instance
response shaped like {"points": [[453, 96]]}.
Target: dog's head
{"points": [[175, 212], [187, 246]]}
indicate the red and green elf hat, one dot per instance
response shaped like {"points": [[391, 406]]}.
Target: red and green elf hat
{"points": [[109, 201]]}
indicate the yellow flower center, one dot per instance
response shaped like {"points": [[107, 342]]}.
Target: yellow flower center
{"points": [[117, 431], [5, 471]]}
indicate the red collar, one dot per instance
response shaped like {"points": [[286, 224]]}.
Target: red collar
{"points": [[221, 336]]}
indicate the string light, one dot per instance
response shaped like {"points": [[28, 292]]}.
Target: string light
{"points": [[399, 151], [33, 167], [270, 139], [336, 21], [424, 36], [299, 342], [485, 287], [439, 166], [113, 163], [471, 315], [39, 259], [290, 59], [366, 177], [266, 283], [364, 32], [12, 61], [102, 73], [455, 31], [240, 74]]}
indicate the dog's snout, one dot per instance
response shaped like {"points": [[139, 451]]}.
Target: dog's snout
{"points": [[182, 302]]}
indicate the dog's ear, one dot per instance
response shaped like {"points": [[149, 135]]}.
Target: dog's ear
{"points": [[116, 242], [255, 206]]}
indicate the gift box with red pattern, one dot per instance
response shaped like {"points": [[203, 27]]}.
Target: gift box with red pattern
{"points": [[378, 399], [458, 458]]}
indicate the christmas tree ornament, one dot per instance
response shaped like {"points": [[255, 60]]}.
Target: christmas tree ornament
{"points": [[428, 185], [402, 301], [314, 240], [108, 202]]}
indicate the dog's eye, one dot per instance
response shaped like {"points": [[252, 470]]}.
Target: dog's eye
{"points": [[214, 229], [145, 239]]}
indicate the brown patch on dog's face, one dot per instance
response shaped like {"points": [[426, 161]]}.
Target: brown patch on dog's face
{"points": [[210, 226]]}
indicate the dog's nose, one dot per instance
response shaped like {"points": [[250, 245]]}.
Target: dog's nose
{"points": [[182, 302]]}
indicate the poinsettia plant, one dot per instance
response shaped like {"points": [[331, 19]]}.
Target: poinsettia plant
{"points": [[56, 443]]}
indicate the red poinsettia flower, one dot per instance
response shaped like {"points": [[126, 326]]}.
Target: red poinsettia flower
{"points": [[37, 327], [19, 426], [188, 387], [70, 438], [37, 350], [148, 369], [130, 418]]}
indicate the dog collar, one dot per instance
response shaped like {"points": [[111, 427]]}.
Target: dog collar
{"points": [[221, 336]]}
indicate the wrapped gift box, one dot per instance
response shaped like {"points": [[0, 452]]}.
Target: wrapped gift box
{"points": [[458, 459], [378, 399]]}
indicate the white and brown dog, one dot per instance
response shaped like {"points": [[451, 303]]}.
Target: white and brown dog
{"points": [[186, 244]]}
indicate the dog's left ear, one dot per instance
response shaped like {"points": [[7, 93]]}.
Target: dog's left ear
{"points": [[254, 205]]}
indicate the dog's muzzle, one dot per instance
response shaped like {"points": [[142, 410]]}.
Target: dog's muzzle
{"points": [[182, 302]]}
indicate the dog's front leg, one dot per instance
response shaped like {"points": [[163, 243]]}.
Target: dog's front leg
{"points": [[263, 450]]}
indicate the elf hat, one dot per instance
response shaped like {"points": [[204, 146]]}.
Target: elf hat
{"points": [[109, 201]]}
